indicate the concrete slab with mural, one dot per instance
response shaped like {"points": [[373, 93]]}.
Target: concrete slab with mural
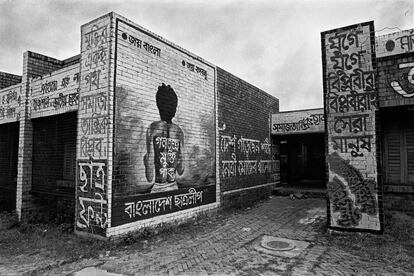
{"points": [[350, 97]]}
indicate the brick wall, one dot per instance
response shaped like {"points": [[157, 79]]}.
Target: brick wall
{"points": [[39, 65], [395, 61], [7, 80], [396, 83], [154, 151], [55, 93], [245, 147], [350, 99], [394, 43], [11, 105], [95, 128], [34, 65], [71, 61]]}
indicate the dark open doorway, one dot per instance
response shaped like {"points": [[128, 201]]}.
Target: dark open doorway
{"points": [[54, 165], [9, 146], [302, 160]]}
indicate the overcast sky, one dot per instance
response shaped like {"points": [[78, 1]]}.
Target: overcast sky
{"points": [[274, 45]]}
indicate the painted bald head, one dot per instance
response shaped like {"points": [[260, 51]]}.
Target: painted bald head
{"points": [[166, 102]]}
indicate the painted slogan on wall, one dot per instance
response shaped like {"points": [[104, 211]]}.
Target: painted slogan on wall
{"points": [[165, 141], [395, 43], [398, 80], [56, 93], [403, 84], [350, 104], [94, 130], [243, 156], [10, 102], [304, 121]]}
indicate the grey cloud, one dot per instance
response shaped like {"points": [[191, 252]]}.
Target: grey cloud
{"points": [[274, 45]]}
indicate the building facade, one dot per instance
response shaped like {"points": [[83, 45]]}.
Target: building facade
{"points": [[299, 136], [133, 132], [367, 129], [395, 73], [136, 131]]}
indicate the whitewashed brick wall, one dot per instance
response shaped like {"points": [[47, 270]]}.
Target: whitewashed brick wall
{"points": [[395, 43], [11, 104], [55, 93]]}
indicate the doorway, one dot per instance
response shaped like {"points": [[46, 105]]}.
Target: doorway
{"points": [[9, 147], [302, 160], [54, 165]]}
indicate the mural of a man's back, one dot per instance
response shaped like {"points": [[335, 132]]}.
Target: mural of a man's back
{"points": [[165, 142]]}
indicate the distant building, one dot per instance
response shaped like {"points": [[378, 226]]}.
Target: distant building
{"points": [[300, 136]]}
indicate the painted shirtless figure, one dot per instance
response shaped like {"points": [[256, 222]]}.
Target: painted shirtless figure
{"points": [[165, 142]]}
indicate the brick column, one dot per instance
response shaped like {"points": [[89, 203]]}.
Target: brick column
{"points": [[24, 170], [351, 108], [33, 65], [95, 126]]}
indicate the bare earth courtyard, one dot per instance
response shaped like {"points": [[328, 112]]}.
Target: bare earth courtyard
{"points": [[235, 242]]}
